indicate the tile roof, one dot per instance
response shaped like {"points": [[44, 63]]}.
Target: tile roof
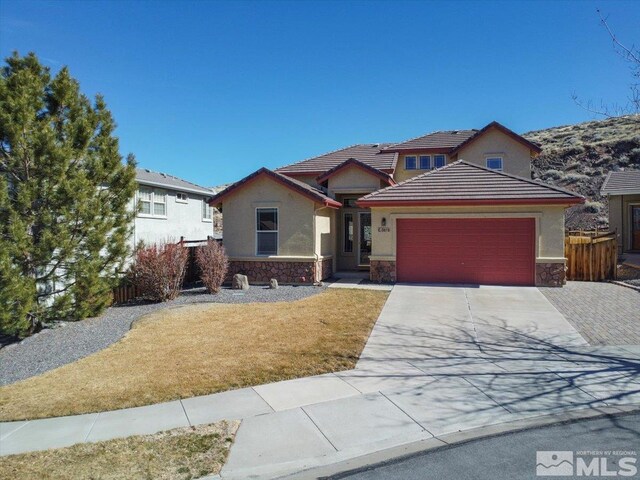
{"points": [[621, 183], [157, 179], [357, 163], [368, 154], [466, 183], [304, 189], [445, 140]]}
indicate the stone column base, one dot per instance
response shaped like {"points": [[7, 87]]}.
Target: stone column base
{"points": [[297, 273], [550, 274], [382, 271]]}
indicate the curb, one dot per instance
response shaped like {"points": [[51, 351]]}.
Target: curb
{"points": [[624, 284], [408, 450]]}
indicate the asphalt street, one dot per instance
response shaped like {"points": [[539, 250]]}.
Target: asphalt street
{"points": [[613, 441]]}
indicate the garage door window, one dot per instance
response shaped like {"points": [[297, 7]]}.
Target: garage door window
{"points": [[267, 231]]}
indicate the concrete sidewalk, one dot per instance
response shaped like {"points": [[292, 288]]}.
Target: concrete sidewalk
{"points": [[440, 360]]}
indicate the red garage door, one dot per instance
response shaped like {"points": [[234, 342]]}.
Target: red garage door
{"points": [[490, 251]]}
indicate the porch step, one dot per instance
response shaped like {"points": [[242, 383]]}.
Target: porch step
{"points": [[351, 274]]}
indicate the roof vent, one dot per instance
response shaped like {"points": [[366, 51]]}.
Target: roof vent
{"points": [[456, 132], [375, 145]]}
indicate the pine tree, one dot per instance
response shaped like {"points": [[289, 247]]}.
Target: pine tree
{"points": [[65, 197]]}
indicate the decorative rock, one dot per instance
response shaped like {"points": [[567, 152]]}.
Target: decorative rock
{"points": [[240, 282], [382, 271], [273, 284], [260, 272], [550, 274]]}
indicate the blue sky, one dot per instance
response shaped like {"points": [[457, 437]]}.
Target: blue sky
{"points": [[211, 91]]}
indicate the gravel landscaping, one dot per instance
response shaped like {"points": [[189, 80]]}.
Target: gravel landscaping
{"points": [[67, 342]]}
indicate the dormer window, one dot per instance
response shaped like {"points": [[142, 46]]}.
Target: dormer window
{"points": [[439, 161], [494, 163], [425, 162], [410, 162]]}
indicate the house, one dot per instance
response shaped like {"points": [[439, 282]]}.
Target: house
{"points": [[623, 190], [170, 209], [447, 207]]}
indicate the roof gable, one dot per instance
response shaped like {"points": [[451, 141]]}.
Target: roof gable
{"points": [[370, 154], [353, 163], [442, 141], [621, 183], [497, 126], [463, 183], [291, 183]]}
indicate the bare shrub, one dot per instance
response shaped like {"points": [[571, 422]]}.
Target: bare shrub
{"points": [[213, 264], [159, 269]]}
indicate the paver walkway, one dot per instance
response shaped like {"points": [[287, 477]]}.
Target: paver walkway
{"points": [[439, 360], [604, 313]]}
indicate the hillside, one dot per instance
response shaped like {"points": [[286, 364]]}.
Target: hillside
{"points": [[578, 158]]}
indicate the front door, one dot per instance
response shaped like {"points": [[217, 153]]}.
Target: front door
{"points": [[364, 239], [635, 228]]}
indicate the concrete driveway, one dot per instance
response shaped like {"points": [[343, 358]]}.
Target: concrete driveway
{"points": [[439, 361]]}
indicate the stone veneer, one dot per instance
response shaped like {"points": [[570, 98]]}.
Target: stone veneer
{"points": [[550, 274], [285, 272], [382, 271]]}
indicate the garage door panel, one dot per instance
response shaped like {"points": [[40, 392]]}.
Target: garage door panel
{"points": [[493, 251]]}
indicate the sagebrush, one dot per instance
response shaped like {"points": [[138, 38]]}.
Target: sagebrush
{"points": [[213, 264], [158, 270]]}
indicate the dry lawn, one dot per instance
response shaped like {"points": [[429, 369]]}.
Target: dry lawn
{"points": [[183, 453], [201, 349]]}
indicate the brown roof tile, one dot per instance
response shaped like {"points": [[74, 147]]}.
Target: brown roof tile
{"points": [[357, 163], [369, 154], [466, 183], [445, 140], [621, 183]]}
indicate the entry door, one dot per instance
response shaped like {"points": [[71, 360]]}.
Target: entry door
{"points": [[364, 238], [635, 228]]}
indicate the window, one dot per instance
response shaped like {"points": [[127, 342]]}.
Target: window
{"points": [[207, 212], [267, 231], [347, 245], [425, 162], [182, 197], [152, 201], [494, 163], [349, 203], [410, 162], [439, 161]]}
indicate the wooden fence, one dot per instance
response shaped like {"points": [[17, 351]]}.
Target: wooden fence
{"points": [[591, 256], [125, 292]]}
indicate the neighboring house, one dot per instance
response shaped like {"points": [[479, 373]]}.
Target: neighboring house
{"points": [[452, 207], [170, 209], [623, 190]]}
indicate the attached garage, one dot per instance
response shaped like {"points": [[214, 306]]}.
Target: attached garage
{"points": [[489, 251], [467, 224]]}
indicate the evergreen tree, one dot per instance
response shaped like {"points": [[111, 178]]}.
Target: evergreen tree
{"points": [[65, 195]]}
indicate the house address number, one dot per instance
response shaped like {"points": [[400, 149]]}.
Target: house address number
{"points": [[384, 229]]}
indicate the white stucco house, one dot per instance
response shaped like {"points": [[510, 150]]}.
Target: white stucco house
{"points": [[170, 209]]}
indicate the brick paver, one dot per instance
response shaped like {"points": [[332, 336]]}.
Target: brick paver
{"points": [[603, 313]]}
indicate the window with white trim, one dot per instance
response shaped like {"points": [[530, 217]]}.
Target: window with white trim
{"points": [[494, 163], [425, 162], [182, 197], [152, 201], [439, 161], [410, 162], [207, 212], [266, 231]]}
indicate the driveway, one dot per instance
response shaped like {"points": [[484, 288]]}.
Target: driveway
{"points": [[440, 360]]}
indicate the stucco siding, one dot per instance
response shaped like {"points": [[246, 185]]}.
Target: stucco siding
{"points": [[353, 180], [324, 238], [620, 218], [295, 220], [182, 220], [549, 226], [516, 157]]}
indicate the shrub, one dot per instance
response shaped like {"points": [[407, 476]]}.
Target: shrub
{"points": [[158, 270], [213, 264]]}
